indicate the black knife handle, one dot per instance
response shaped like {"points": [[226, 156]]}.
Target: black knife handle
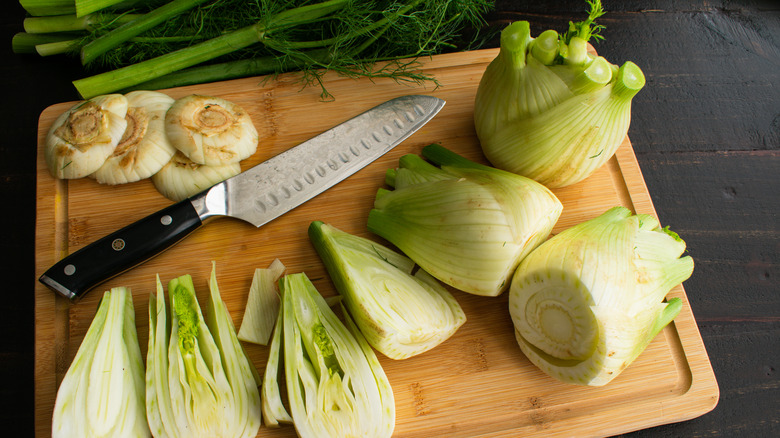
{"points": [[108, 257]]}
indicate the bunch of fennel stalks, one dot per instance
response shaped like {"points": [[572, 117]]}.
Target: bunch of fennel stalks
{"points": [[162, 44]]}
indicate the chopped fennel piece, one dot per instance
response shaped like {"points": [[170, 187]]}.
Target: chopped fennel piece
{"points": [[199, 381], [466, 224], [102, 393], [586, 303], [262, 305], [401, 314], [336, 386]]}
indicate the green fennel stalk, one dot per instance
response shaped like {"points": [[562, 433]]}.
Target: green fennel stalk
{"points": [[115, 37], [48, 7]]}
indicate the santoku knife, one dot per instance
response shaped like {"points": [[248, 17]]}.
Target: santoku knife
{"points": [[257, 195]]}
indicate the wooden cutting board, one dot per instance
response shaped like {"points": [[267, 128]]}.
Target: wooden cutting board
{"points": [[478, 383]]}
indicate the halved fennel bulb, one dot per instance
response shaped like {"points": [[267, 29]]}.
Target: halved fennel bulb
{"points": [[588, 301], [336, 386], [466, 224], [102, 394], [182, 178], [211, 130], [144, 148], [401, 314], [199, 381], [547, 109], [82, 138]]}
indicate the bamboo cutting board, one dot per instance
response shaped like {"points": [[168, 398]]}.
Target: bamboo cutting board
{"points": [[478, 383]]}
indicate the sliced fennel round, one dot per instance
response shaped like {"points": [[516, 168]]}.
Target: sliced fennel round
{"points": [[547, 109], [210, 130], [588, 301], [466, 224], [102, 393], [182, 178], [401, 314], [144, 147], [199, 381], [82, 138]]}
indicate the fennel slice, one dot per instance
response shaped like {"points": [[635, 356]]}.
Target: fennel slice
{"points": [[82, 138], [262, 305], [144, 147], [181, 178], [210, 130]]}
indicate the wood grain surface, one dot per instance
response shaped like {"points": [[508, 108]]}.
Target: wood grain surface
{"points": [[705, 131], [478, 382]]}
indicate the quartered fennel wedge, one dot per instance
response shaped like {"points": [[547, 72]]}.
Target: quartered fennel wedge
{"points": [[199, 381], [102, 394], [336, 386], [401, 313], [466, 224]]}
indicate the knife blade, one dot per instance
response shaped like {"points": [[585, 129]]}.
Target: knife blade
{"points": [[257, 196]]}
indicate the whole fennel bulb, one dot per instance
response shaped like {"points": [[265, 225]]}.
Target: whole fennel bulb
{"points": [[547, 109]]}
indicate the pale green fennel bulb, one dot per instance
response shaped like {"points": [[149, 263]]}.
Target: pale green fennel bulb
{"points": [[547, 109], [588, 301]]}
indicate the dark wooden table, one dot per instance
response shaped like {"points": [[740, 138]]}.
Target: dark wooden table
{"points": [[706, 132]]}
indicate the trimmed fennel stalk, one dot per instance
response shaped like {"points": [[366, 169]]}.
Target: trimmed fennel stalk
{"points": [[260, 66], [24, 42], [135, 27], [587, 302], [48, 7], [72, 23], [147, 70], [85, 7]]}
